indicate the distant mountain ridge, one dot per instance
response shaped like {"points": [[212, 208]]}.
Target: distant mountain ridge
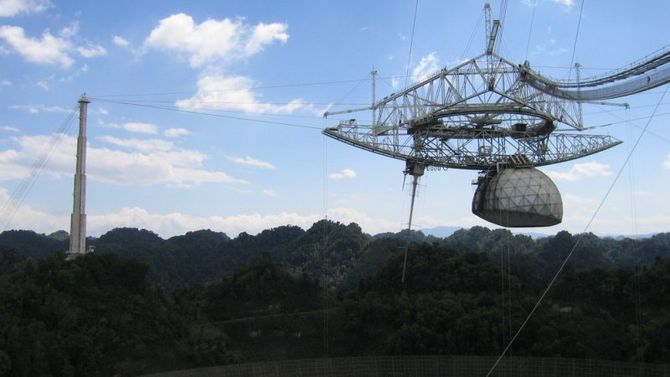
{"points": [[446, 231], [343, 253]]}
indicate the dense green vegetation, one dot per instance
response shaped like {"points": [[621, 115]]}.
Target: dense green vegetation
{"points": [[141, 303]]}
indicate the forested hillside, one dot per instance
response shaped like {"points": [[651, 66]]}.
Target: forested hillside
{"points": [[141, 303]]}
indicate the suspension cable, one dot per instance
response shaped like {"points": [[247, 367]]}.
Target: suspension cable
{"points": [[20, 192], [411, 42], [574, 45], [217, 115], [579, 239], [530, 30]]}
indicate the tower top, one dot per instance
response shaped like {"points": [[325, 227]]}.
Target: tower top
{"points": [[84, 99]]}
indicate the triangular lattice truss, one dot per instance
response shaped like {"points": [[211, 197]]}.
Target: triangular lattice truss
{"points": [[473, 116]]}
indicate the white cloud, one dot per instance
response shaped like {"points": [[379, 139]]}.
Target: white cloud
{"points": [[270, 193], [252, 162], [47, 50], [92, 51], [344, 174], [579, 204], [369, 224], [43, 84], [530, 3], [549, 48], [35, 109], [6, 83], [25, 217], [565, 3], [395, 82], [177, 223], [69, 78], [581, 171], [176, 132], [219, 42], [643, 193], [235, 93], [265, 34], [151, 145], [140, 128], [213, 40], [70, 30], [143, 164], [104, 124], [101, 111], [666, 163], [426, 67], [52, 81], [533, 3], [120, 41], [10, 8], [9, 129]]}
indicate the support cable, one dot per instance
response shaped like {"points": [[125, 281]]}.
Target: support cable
{"points": [[20, 192], [629, 121], [503, 312], [178, 110], [347, 94], [276, 86], [530, 30], [415, 183], [415, 179], [411, 43], [574, 45], [501, 18], [636, 258], [472, 36], [509, 290], [579, 239], [324, 267]]}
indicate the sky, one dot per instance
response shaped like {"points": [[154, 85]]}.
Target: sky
{"points": [[207, 115]]}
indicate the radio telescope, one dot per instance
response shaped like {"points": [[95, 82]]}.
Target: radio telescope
{"points": [[499, 118]]}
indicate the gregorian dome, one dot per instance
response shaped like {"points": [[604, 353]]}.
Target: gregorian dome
{"points": [[518, 197]]}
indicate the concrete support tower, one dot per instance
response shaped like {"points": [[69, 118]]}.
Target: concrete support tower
{"points": [[78, 220]]}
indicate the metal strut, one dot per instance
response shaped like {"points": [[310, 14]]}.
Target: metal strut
{"points": [[416, 170]]}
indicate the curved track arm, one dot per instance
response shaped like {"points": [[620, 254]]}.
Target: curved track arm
{"points": [[640, 77]]}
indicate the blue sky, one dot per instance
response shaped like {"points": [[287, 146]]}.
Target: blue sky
{"points": [[264, 72]]}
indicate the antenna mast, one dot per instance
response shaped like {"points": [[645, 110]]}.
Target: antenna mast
{"points": [[373, 74], [78, 219]]}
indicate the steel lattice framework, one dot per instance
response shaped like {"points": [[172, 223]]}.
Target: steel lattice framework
{"points": [[487, 111], [490, 114], [473, 116]]}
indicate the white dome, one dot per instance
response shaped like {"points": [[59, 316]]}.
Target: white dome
{"points": [[518, 197]]}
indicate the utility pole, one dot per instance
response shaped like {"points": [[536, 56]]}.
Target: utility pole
{"points": [[78, 219]]}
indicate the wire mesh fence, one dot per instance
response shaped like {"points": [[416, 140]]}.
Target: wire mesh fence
{"points": [[429, 366]]}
